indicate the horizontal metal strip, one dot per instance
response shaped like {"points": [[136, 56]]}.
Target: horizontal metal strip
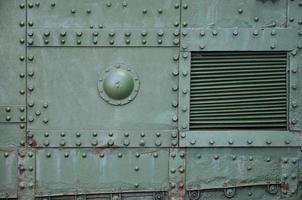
{"points": [[237, 86], [244, 121], [53, 37], [103, 138], [215, 75], [285, 39], [241, 112], [234, 72], [227, 104], [226, 94], [239, 55], [264, 77], [239, 82], [193, 99], [200, 68], [204, 61], [236, 53], [277, 127], [240, 89], [229, 108], [244, 138], [213, 66], [263, 100], [239, 118]]}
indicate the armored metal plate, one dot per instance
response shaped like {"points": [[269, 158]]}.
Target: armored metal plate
{"points": [[11, 135], [234, 13], [12, 53], [105, 14], [101, 170], [73, 87], [294, 18], [239, 39], [104, 37], [295, 92], [8, 173], [238, 139], [96, 99], [223, 168], [113, 138]]}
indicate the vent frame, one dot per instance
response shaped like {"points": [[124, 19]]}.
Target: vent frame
{"points": [[267, 56]]}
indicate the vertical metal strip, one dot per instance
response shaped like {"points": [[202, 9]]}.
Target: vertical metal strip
{"points": [[177, 173], [26, 174], [184, 91]]}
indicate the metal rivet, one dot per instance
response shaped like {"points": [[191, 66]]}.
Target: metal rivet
{"points": [[231, 141], [46, 143], [268, 141]]}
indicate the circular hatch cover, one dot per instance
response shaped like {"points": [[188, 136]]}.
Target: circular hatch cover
{"points": [[118, 85]]}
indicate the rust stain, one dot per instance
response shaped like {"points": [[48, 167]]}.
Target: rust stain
{"points": [[284, 186]]}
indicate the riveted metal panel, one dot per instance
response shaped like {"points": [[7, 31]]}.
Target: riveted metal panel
{"points": [[239, 39], [240, 167], [12, 135], [294, 18], [104, 14], [70, 84], [295, 90], [104, 37], [239, 139], [234, 13], [62, 136], [101, 170], [8, 173], [12, 53], [96, 138]]}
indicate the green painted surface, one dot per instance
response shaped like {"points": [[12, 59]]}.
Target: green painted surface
{"points": [[67, 79], [8, 173], [67, 132], [101, 170]]}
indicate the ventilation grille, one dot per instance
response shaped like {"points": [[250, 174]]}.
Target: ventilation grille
{"points": [[238, 90]]}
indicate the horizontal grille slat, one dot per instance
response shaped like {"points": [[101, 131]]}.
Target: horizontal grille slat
{"points": [[238, 90]]}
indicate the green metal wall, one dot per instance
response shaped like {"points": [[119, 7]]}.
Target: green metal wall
{"points": [[63, 137]]}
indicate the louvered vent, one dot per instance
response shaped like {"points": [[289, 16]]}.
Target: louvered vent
{"points": [[238, 90]]}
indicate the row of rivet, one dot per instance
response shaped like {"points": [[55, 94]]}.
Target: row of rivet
{"points": [[94, 142], [21, 75], [110, 142], [175, 73], [235, 33], [102, 155], [95, 37], [294, 86], [231, 142], [26, 181], [88, 11]]}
